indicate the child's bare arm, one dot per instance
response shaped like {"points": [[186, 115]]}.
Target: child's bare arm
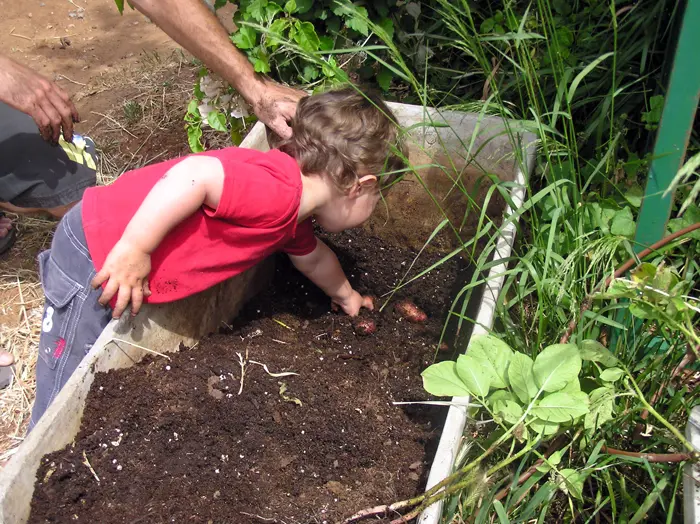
{"points": [[321, 266], [185, 187]]}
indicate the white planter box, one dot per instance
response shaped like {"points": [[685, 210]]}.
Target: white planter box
{"points": [[482, 143]]}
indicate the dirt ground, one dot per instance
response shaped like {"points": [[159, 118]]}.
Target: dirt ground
{"points": [[209, 436], [130, 84]]}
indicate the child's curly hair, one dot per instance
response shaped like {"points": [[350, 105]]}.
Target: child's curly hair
{"points": [[346, 134]]}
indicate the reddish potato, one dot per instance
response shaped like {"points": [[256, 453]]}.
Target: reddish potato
{"points": [[365, 327], [410, 311]]}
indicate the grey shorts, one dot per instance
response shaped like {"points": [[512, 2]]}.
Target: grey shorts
{"points": [[73, 317], [35, 174]]}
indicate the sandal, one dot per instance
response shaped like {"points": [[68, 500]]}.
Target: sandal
{"points": [[8, 240]]}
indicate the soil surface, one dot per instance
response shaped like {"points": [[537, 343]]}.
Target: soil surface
{"points": [[174, 441]]}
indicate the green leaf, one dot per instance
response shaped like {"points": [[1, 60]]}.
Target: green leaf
{"points": [[271, 9], [634, 195], [487, 26], [384, 78], [571, 482], [643, 273], [327, 43], [413, 9], [290, 7], [257, 10], [388, 26], [522, 378], [643, 310], [276, 35], [217, 121], [653, 116], [358, 24], [120, 6], [218, 4], [244, 38], [612, 374], [579, 78], [475, 376], [494, 355], [501, 512], [261, 64], [194, 136], [505, 406], [601, 408], [561, 407], [688, 218], [623, 223], [303, 6], [572, 387], [556, 365], [553, 460], [596, 352], [305, 35], [309, 73], [442, 380], [544, 428]]}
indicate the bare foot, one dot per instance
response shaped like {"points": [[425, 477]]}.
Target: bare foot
{"points": [[5, 227], [6, 359]]}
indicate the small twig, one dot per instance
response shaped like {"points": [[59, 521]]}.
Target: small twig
{"points": [[114, 122], [87, 463], [24, 307], [243, 364], [651, 457], [12, 33], [71, 81], [588, 301], [267, 370], [258, 517], [280, 341], [142, 347]]}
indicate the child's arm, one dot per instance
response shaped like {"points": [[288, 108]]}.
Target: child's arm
{"points": [[185, 187], [321, 266]]}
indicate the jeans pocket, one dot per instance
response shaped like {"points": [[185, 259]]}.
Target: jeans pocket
{"points": [[59, 290]]}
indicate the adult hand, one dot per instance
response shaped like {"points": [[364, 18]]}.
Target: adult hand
{"points": [[352, 304], [43, 100], [125, 270], [276, 105]]}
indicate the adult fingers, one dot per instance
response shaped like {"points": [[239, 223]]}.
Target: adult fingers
{"points": [[280, 126], [109, 291], [43, 122], [136, 300], [65, 113], [54, 119], [123, 299], [368, 302], [146, 288]]}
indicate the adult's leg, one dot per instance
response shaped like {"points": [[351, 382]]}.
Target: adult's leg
{"points": [[37, 177]]}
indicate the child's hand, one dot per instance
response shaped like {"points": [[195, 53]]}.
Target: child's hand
{"points": [[353, 303], [125, 271]]}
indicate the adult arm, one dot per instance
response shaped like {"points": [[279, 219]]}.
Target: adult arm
{"points": [[185, 187], [322, 267], [38, 97], [192, 25]]}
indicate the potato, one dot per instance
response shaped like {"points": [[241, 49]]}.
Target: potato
{"points": [[365, 327], [410, 311]]}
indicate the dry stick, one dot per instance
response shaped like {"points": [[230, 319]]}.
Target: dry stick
{"points": [[71, 81], [651, 457], [87, 463], [588, 301], [141, 347], [115, 123]]}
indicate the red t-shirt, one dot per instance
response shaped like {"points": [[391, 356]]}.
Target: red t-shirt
{"points": [[257, 216]]}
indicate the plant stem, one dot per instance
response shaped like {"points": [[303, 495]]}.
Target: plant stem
{"points": [[658, 417], [651, 457], [588, 301]]}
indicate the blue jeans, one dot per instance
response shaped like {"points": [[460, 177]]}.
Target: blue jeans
{"points": [[73, 317]]}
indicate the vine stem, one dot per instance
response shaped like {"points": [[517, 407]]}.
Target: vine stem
{"points": [[650, 457], [588, 301]]}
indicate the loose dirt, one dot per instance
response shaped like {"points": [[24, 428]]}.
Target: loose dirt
{"points": [[173, 440]]}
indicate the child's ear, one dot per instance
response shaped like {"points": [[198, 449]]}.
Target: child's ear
{"points": [[365, 183]]}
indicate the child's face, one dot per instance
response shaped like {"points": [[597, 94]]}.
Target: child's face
{"points": [[350, 209]]}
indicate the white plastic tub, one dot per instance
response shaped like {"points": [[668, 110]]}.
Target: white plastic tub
{"points": [[476, 144]]}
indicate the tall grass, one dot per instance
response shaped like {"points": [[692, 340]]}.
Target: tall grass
{"points": [[578, 77]]}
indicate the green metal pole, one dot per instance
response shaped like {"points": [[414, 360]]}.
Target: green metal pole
{"points": [[674, 130]]}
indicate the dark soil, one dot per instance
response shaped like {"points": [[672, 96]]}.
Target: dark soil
{"points": [[173, 441]]}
